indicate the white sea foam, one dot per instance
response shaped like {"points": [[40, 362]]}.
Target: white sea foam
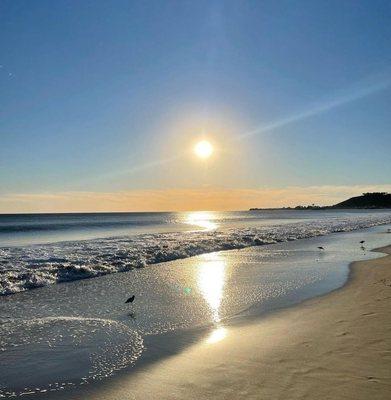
{"points": [[69, 351], [28, 267]]}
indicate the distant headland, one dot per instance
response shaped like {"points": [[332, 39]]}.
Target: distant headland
{"points": [[365, 201]]}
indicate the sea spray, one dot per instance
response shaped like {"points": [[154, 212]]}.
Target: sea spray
{"points": [[28, 267]]}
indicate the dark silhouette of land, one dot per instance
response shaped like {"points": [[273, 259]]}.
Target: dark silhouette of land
{"points": [[365, 201]]}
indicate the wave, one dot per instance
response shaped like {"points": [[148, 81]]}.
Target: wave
{"points": [[99, 348], [29, 267], [56, 226]]}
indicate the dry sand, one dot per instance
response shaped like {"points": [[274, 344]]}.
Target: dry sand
{"points": [[333, 347]]}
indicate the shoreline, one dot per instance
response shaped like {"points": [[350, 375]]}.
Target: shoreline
{"points": [[175, 346], [136, 247], [336, 346]]}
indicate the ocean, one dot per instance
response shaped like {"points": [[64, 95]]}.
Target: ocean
{"points": [[41, 249], [192, 275]]}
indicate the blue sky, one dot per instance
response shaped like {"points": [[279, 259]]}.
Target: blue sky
{"points": [[100, 96]]}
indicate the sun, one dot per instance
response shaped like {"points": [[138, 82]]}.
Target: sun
{"points": [[203, 149]]}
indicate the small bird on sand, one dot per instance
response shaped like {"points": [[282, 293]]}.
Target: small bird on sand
{"points": [[320, 248], [130, 299], [362, 241]]}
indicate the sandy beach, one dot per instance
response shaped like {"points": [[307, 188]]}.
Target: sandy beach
{"points": [[195, 200], [285, 320], [337, 346]]}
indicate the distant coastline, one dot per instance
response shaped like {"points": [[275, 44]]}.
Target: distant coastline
{"points": [[367, 201]]}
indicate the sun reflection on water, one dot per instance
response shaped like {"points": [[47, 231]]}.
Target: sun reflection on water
{"points": [[211, 280], [202, 219], [217, 335]]}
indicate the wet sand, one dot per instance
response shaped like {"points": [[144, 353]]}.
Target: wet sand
{"points": [[337, 346]]}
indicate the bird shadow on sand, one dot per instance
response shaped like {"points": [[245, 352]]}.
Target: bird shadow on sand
{"points": [[132, 315]]}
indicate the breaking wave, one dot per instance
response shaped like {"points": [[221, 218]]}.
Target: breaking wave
{"points": [[29, 267]]}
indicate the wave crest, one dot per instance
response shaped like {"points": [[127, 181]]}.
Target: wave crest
{"points": [[28, 267]]}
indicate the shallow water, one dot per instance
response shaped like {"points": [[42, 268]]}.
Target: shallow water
{"points": [[45, 354], [26, 267], [61, 336]]}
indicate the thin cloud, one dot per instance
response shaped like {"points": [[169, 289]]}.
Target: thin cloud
{"points": [[210, 198], [354, 95], [358, 93]]}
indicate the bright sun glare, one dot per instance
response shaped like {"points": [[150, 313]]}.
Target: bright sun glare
{"points": [[203, 149]]}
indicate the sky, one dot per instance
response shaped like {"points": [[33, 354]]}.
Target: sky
{"points": [[102, 102]]}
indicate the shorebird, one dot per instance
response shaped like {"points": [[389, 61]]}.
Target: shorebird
{"points": [[320, 248], [130, 299], [362, 241]]}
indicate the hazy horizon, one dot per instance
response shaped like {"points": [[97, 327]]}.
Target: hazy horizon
{"points": [[179, 200]]}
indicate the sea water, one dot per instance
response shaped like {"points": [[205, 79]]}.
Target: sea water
{"points": [[38, 250], [192, 271]]}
